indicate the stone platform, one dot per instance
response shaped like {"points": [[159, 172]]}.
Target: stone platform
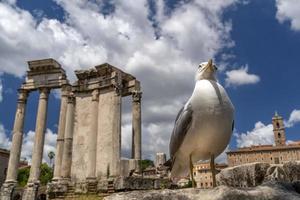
{"points": [[268, 191]]}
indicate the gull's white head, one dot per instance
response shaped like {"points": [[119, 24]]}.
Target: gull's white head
{"points": [[206, 70]]}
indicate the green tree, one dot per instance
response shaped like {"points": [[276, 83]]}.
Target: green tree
{"points": [[45, 177], [46, 174], [23, 175], [146, 163]]}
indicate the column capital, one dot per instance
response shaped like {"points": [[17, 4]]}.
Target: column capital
{"points": [[44, 92], [136, 96], [65, 90], [95, 95], [71, 98], [23, 94]]}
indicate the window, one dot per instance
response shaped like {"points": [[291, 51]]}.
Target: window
{"points": [[277, 124], [279, 135]]}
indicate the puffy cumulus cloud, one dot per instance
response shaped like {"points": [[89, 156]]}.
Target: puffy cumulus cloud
{"points": [[294, 118], [240, 76], [4, 140], [261, 134], [289, 10], [162, 51], [222, 158], [28, 142]]}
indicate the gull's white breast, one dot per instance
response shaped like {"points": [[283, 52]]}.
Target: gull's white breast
{"points": [[211, 126]]}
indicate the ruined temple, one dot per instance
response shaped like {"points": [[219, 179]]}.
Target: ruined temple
{"points": [[88, 150]]}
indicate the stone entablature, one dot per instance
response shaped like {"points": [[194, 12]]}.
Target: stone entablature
{"points": [[45, 73]]}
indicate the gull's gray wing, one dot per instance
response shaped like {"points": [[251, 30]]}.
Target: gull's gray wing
{"points": [[182, 124]]}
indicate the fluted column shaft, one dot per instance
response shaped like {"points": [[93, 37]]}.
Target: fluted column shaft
{"points": [[39, 137], [68, 140], [17, 138], [136, 125], [61, 132], [92, 138]]}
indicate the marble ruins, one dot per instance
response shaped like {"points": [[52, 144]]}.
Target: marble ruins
{"points": [[88, 151]]}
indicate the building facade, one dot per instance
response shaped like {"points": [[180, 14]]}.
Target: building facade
{"points": [[278, 153], [203, 174], [4, 155]]}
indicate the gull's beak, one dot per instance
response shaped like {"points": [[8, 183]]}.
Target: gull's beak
{"points": [[210, 66]]}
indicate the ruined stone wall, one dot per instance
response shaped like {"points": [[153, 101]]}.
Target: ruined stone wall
{"points": [[3, 166], [82, 125], [109, 134]]}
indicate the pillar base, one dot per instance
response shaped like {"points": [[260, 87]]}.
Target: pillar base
{"points": [[31, 191], [91, 183], [7, 190]]}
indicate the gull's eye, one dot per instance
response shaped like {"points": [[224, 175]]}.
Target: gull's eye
{"points": [[200, 66]]}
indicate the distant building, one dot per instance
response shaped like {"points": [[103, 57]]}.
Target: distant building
{"points": [[4, 156], [159, 170], [278, 153], [160, 159], [203, 174]]}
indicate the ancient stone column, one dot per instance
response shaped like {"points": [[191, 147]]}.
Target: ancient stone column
{"points": [[68, 140], [136, 125], [61, 132], [17, 138], [92, 137], [39, 137]]}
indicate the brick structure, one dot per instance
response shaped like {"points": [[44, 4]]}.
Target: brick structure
{"points": [[203, 174], [4, 155], [278, 153]]}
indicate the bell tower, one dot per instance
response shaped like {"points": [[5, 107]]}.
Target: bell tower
{"points": [[278, 129]]}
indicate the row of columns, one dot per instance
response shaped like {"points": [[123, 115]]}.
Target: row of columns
{"points": [[63, 158], [65, 132]]}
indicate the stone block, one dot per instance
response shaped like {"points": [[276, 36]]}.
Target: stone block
{"points": [[248, 175], [292, 170]]}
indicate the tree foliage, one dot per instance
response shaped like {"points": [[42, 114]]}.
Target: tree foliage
{"points": [[45, 177], [46, 174], [146, 163], [23, 175]]}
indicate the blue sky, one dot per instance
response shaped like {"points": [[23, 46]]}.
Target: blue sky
{"points": [[255, 43]]}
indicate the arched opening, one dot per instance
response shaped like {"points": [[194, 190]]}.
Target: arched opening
{"points": [[277, 125]]}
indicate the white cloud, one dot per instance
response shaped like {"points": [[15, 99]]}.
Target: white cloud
{"points": [[4, 140], [294, 118], [162, 58], [222, 158], [261, 134], [28, 142], [289, 10], [240, 76]]}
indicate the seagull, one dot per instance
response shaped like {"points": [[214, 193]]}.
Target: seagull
{"points": [[203, 126]]}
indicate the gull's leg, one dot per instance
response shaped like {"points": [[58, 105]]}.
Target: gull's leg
{"points": [[213, 170], [191, 172]]}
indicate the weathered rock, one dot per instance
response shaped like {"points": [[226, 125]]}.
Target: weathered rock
{"points": [[270, 191], [276, 173], [138, 183], [248, 175], [292, 169]]}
